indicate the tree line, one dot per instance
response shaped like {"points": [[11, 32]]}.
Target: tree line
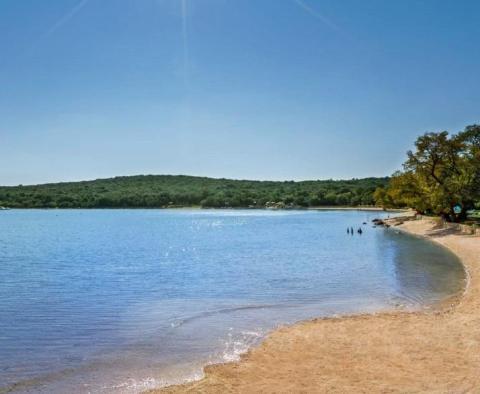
{"points": [[162, 191], [441, 176]]}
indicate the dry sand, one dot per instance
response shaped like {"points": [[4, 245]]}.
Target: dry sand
{"points": [[435, 351]]}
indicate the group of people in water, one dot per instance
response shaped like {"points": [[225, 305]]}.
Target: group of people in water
{"points": [[350, 230]]}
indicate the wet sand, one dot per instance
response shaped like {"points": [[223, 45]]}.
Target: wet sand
{"points": [[434, 351]]}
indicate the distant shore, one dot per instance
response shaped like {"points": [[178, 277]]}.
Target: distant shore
{"points": [[196, 207], [435, 350], [358, 208]]}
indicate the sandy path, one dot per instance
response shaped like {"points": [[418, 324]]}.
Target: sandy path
{"points": [[434, 352]]}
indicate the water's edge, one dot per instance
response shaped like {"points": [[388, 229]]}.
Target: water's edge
{"points": [[447, 304]]}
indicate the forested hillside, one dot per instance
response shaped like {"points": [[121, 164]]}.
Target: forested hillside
{"points": [[158, 191]]}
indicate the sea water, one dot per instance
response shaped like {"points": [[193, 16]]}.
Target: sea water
{"points": [[125, 300]]}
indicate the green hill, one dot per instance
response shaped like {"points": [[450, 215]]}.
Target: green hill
{"points": [[159, 191]]}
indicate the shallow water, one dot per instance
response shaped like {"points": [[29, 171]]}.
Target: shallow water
{"points": [[124, 300]]}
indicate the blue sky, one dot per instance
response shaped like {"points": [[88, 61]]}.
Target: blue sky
{"points": [[258, 89]]}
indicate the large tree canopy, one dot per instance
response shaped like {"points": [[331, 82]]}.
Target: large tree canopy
{"points": [[442, 172]]}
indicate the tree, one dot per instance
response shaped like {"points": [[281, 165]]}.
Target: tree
{"points": [[470, 139], [443, 171]]}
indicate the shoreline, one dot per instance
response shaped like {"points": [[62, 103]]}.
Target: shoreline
{"points": [[199, 208], [435, 350]]}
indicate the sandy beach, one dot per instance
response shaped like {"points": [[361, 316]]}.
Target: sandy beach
{"points": [[434, 351]]}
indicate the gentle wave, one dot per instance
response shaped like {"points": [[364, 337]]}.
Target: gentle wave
{"points": [[182, 321]]}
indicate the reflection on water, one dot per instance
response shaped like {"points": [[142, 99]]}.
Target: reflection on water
{"points": [[417, 282], [124, 300]]}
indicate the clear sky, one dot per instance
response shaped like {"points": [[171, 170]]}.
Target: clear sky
{"points": [[259, 89]]}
